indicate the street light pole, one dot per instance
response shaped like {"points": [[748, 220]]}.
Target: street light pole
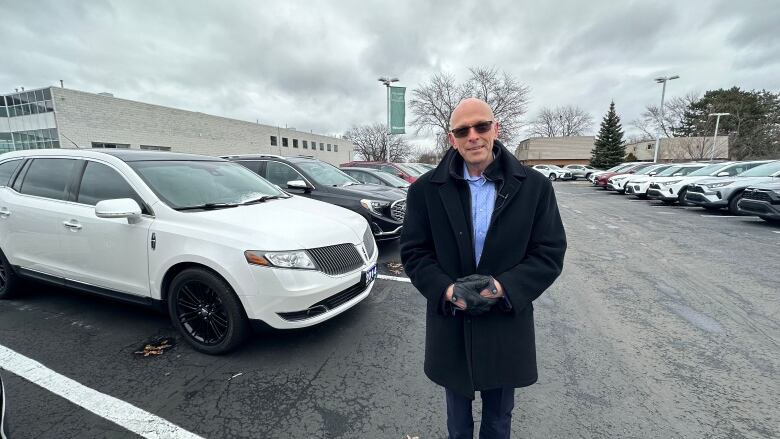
{"points": [[715, 136], [661, 80], [387, 82]]}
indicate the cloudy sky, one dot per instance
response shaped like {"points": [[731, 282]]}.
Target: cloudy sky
{"points": [[313, 65]]}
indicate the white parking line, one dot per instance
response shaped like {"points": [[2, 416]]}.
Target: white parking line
{"points": [[721, 216], [115, 410], [395, 278]]}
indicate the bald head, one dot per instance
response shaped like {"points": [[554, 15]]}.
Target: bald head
{"points": [[468, 106]]}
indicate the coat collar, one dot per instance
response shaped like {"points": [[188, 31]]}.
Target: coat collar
{"points": [[502, 167]]}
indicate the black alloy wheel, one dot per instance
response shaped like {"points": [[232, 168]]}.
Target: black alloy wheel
{"points": [[681, 197], [206, 311], [733, 208], [9, 281]]}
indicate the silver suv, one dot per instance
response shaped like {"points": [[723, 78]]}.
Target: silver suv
{"points": [[724, 192]]}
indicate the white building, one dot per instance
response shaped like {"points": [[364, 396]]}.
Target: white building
{"points": [[675, 149], [55, 117]]}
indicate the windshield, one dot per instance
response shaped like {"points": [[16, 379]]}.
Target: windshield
{"points": [[420, 167], [618, 167], [392, 179], [650, 169], [707, 170], [409, 169], [188, 183], [766, 170], [668, 171], [326, 174]]}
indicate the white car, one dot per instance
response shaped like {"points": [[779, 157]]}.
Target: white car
{"points": [[211, 242], [728, 169], [582, 171], [638, 183], [619, 182], [661, 186], [553, 172]]}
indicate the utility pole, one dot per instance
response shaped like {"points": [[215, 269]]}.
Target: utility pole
{"points": [[715, 136], [387, 82], [661, 80]]}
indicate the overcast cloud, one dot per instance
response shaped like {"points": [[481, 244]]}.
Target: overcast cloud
{"points": [[313, 65]]}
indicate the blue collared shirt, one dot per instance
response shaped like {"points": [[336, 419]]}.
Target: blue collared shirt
{"points": [[483, 199]]}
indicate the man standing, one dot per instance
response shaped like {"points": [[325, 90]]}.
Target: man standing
{"points": [[481, 240]]}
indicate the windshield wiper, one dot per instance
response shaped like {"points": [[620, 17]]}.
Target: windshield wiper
{"points": [[263, 199], [208, 206]]}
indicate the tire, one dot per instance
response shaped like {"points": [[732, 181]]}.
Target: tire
{"points": [[206, 311], [733, 209], [681, 197], [587, 176], [552, 177], [9, 280]]}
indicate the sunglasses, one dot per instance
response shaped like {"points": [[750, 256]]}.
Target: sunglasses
{"points": [[481, 128]]}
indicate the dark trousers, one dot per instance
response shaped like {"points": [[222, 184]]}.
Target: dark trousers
{"points": [[497, 405]]}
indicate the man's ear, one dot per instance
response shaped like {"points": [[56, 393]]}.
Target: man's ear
{"points": [[451, 140], [498, 129]]}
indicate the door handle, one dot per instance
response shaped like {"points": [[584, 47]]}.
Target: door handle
{"points": [[4, 212], [72, 225]]}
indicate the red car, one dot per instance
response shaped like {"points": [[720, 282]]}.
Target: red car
{"points": [[408, 173], [602, 179]]}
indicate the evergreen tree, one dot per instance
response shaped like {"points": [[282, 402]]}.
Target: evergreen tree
{"points": [[609, 148]]}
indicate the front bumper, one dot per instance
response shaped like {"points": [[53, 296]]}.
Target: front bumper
{"points": [[616, 186], [658, 192], [761, 203], [286, 299], [705, 198]]}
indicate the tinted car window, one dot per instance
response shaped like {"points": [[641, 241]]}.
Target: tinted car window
{"points": [[7, 170], [280, 173], [100, 182], [253, 165], [368, 178], [48, 178]]}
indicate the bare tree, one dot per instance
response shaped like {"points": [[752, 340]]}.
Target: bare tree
{"points": [[372, 143], [433, 102], [569, 120], [650, 123]]}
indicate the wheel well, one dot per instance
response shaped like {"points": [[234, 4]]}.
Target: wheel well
{"points": [[178, 268]]}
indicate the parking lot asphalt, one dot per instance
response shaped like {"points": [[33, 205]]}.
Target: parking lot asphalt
{"points": [[663, 324]]}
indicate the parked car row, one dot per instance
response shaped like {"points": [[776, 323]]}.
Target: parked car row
{"points": [[214, 244], [742, 187]]}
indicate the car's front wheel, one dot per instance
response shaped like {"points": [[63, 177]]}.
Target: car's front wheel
{"points": [[552, 177], [733, 209], [681, 197], [204, 308], [9, 281]]}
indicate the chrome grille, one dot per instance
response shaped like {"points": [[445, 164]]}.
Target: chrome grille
{"points": [[336, 259], [368, 242], [756, 195], [398, 210]]}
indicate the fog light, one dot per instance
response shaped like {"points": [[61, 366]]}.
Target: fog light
{"points": [[671, 191], [718, 194]]}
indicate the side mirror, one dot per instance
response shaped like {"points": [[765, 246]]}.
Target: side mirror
{"points": [[119, 208], [723, 174], [298, 184]]}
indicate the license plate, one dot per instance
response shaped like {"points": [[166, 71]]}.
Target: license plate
{"points": [[369, 275]]}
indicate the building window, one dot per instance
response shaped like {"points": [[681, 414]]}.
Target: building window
{"points": [[305, 144], [273, 140], [328, 146], [110, 145], [284, 141], [322, 146], [156, 148], [649, 146], [295, 143], [335, 148], [23, 104]]}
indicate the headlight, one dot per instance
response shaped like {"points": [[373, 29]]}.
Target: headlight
{"points": [[374, 206], [292, 259], [669, 183], [719, 184]]}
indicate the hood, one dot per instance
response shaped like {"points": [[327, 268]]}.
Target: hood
{"points": [[283, 224], [738, 181], [372, 191]]}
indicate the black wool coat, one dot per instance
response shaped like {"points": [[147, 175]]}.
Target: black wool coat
{"points": [[524, 249]]}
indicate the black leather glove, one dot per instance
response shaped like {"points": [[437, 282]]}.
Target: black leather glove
{"points": [[468, 289]]}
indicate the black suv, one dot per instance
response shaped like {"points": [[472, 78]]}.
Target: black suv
{"points": [[383, 207]]}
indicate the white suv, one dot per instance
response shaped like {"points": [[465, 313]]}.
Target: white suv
{"points": [[210, 241]]}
